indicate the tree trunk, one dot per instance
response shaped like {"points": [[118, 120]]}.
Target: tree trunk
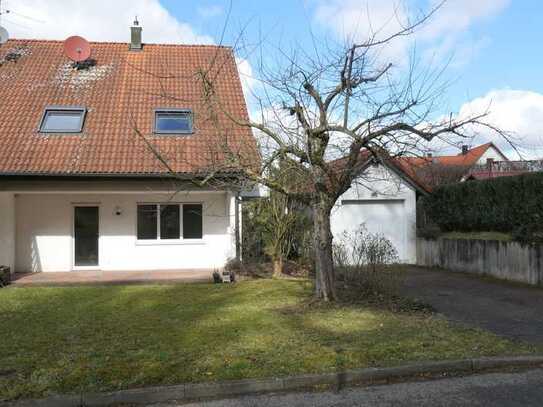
{"points": [[278, 266], [324, 268]]}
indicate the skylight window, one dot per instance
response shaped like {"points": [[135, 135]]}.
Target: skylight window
{"points": [[173, 121], [63, 120]]}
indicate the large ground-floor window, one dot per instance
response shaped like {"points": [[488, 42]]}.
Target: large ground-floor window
{"points": [[169, 221]]}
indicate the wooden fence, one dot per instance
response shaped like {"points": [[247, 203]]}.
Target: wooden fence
{"points": [[505, 260]]}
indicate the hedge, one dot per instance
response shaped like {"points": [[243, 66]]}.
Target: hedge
{"points": [[507, 204]]}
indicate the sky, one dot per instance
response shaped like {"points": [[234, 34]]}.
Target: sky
{"points": [[493, 47]]}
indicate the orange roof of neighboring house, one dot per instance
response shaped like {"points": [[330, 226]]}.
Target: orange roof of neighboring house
{"points": [[413, 168], [467, 160], [122, 89]]}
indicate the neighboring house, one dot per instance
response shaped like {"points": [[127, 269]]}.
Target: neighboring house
{"points": [[503, 168], [79, 189], [471, 163], [383, 197]]}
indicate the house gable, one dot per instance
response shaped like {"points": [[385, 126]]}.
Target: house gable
{"points": [[385, 202], [492, 152], [378, 181]]}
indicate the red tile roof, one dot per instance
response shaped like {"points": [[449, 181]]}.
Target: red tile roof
{"points": [[420, 170], [123, 86], [465, 160]]}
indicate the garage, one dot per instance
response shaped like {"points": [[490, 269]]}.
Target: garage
{"points": [[383, 216], [384, 199]]}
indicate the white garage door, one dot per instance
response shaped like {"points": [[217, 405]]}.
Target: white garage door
{"points": [[385, 216]]}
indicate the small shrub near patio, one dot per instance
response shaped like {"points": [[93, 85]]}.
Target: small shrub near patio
{"points": [[5, 276]]}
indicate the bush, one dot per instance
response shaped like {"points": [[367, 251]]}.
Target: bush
{"points": [[364, 249], [361, 258], [234, 265], [217, 279], [429, 232], [529, 233], [508, 204], [5, 276], [276, 229]]}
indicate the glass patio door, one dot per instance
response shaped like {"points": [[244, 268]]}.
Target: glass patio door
{"points": [[86, 236]]}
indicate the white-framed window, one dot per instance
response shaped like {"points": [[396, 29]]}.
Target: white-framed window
{"points": [[169, 221], [173, 121], [63, 119]]}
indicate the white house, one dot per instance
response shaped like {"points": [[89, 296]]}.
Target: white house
{"points": [[383, 198], [81, 183]]}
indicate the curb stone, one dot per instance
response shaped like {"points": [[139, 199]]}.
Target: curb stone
{"points": [[194, 391]]}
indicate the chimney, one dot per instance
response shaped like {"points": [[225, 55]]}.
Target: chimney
{"points": [[464, 149], [135, 36], [429, 155]]}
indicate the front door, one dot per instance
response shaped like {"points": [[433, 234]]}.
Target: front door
{"points": [[86, 236]]}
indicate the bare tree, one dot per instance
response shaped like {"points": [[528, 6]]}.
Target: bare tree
{"points": [[331, 102]]}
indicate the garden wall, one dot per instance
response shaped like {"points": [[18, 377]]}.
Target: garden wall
{"points": [[505, 260]]}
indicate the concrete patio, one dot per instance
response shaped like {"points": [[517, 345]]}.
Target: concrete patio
{"points": [[97, 277]]}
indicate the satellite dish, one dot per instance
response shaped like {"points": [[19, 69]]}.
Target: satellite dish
{"points": [[4, 35], [77, 48]]}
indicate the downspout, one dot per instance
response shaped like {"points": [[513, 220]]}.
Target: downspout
{"points": [[237, 219]]}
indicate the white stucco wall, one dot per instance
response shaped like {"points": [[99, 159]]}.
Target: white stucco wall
{"points": [[386, 204], [491, 152], [7, 230], [44, 229]]}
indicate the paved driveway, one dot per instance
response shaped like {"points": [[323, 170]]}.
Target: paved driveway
{"points": [[506, 309]]}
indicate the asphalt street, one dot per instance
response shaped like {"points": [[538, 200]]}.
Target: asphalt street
{"points": [[495, 389]]}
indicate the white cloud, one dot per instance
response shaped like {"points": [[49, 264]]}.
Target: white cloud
{"points": [[359, 20], [443, 34], [98, 20], [517, 111], [456, 53], [210, 11], [456, 16], [248, 81]]}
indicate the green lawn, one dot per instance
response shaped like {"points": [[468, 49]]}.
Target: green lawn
{"points": [[65, 340]]}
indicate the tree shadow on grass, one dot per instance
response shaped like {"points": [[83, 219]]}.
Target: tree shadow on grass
{"points": [[365, 335]]}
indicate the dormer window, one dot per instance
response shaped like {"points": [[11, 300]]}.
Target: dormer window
{"points": [[173, 121], [63, 119]]}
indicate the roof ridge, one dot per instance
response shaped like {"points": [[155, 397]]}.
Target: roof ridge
{"points": [[149, 44], [480, 146]]}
